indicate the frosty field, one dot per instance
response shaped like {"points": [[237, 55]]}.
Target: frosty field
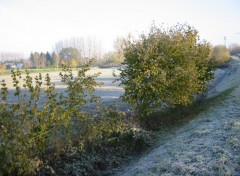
{"points": [[108, 92]]}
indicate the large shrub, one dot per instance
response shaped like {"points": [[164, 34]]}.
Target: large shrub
{"points": [[220, 55], [165, 67]]}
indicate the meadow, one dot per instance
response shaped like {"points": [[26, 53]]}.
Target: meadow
{"points": [[109, 90]]}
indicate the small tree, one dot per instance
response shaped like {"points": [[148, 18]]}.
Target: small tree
{"points": [[112, 57], [119, 46], [56, 60], [69, 54], [49, 59], [165, 67], [220, 55]]}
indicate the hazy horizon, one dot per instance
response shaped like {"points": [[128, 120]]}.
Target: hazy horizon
{"points": [[37, 25]]}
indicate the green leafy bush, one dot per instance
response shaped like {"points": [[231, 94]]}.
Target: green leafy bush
{"points": [[165, 68], [30, 129]]}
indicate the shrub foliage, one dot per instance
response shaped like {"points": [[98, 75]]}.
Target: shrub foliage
{"points": [[29, 129], [165, 67], [38, 137]]}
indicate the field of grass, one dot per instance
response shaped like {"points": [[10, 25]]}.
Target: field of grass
{"points": [[42, 70], [108, 92]]}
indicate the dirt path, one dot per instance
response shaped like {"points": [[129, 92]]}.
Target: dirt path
{"points": [[207, 145]]}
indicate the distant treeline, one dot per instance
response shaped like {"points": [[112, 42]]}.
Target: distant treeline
{"points": [[73, 52]]}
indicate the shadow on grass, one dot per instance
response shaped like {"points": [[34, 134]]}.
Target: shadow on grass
{"points": [[180, 115]]}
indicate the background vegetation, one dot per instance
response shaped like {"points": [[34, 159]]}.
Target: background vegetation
{"points": [[234, 49], [220, 55]]}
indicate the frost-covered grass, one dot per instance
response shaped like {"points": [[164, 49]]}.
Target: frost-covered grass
{"points": [[108, 92], [206, 144]]}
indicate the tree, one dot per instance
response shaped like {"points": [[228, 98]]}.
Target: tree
{"points": [[116, 56], [43, 60], [165, 67], [2, 67], [56, 60], [38, 60], [220, 55], [112, 57], [73, 63], [69, 56], [119, 46], [26, 64], [35, 59], [49, 59], [89, 49]]}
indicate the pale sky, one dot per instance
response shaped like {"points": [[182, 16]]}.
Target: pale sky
{"points": [[36, 25]]}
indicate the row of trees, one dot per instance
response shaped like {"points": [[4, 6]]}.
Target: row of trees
{"points": [[76, 52], [67, 56], [41, 60]]}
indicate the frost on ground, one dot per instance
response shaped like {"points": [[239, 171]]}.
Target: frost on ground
{"points": [[207, 145], [109, 91]]}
